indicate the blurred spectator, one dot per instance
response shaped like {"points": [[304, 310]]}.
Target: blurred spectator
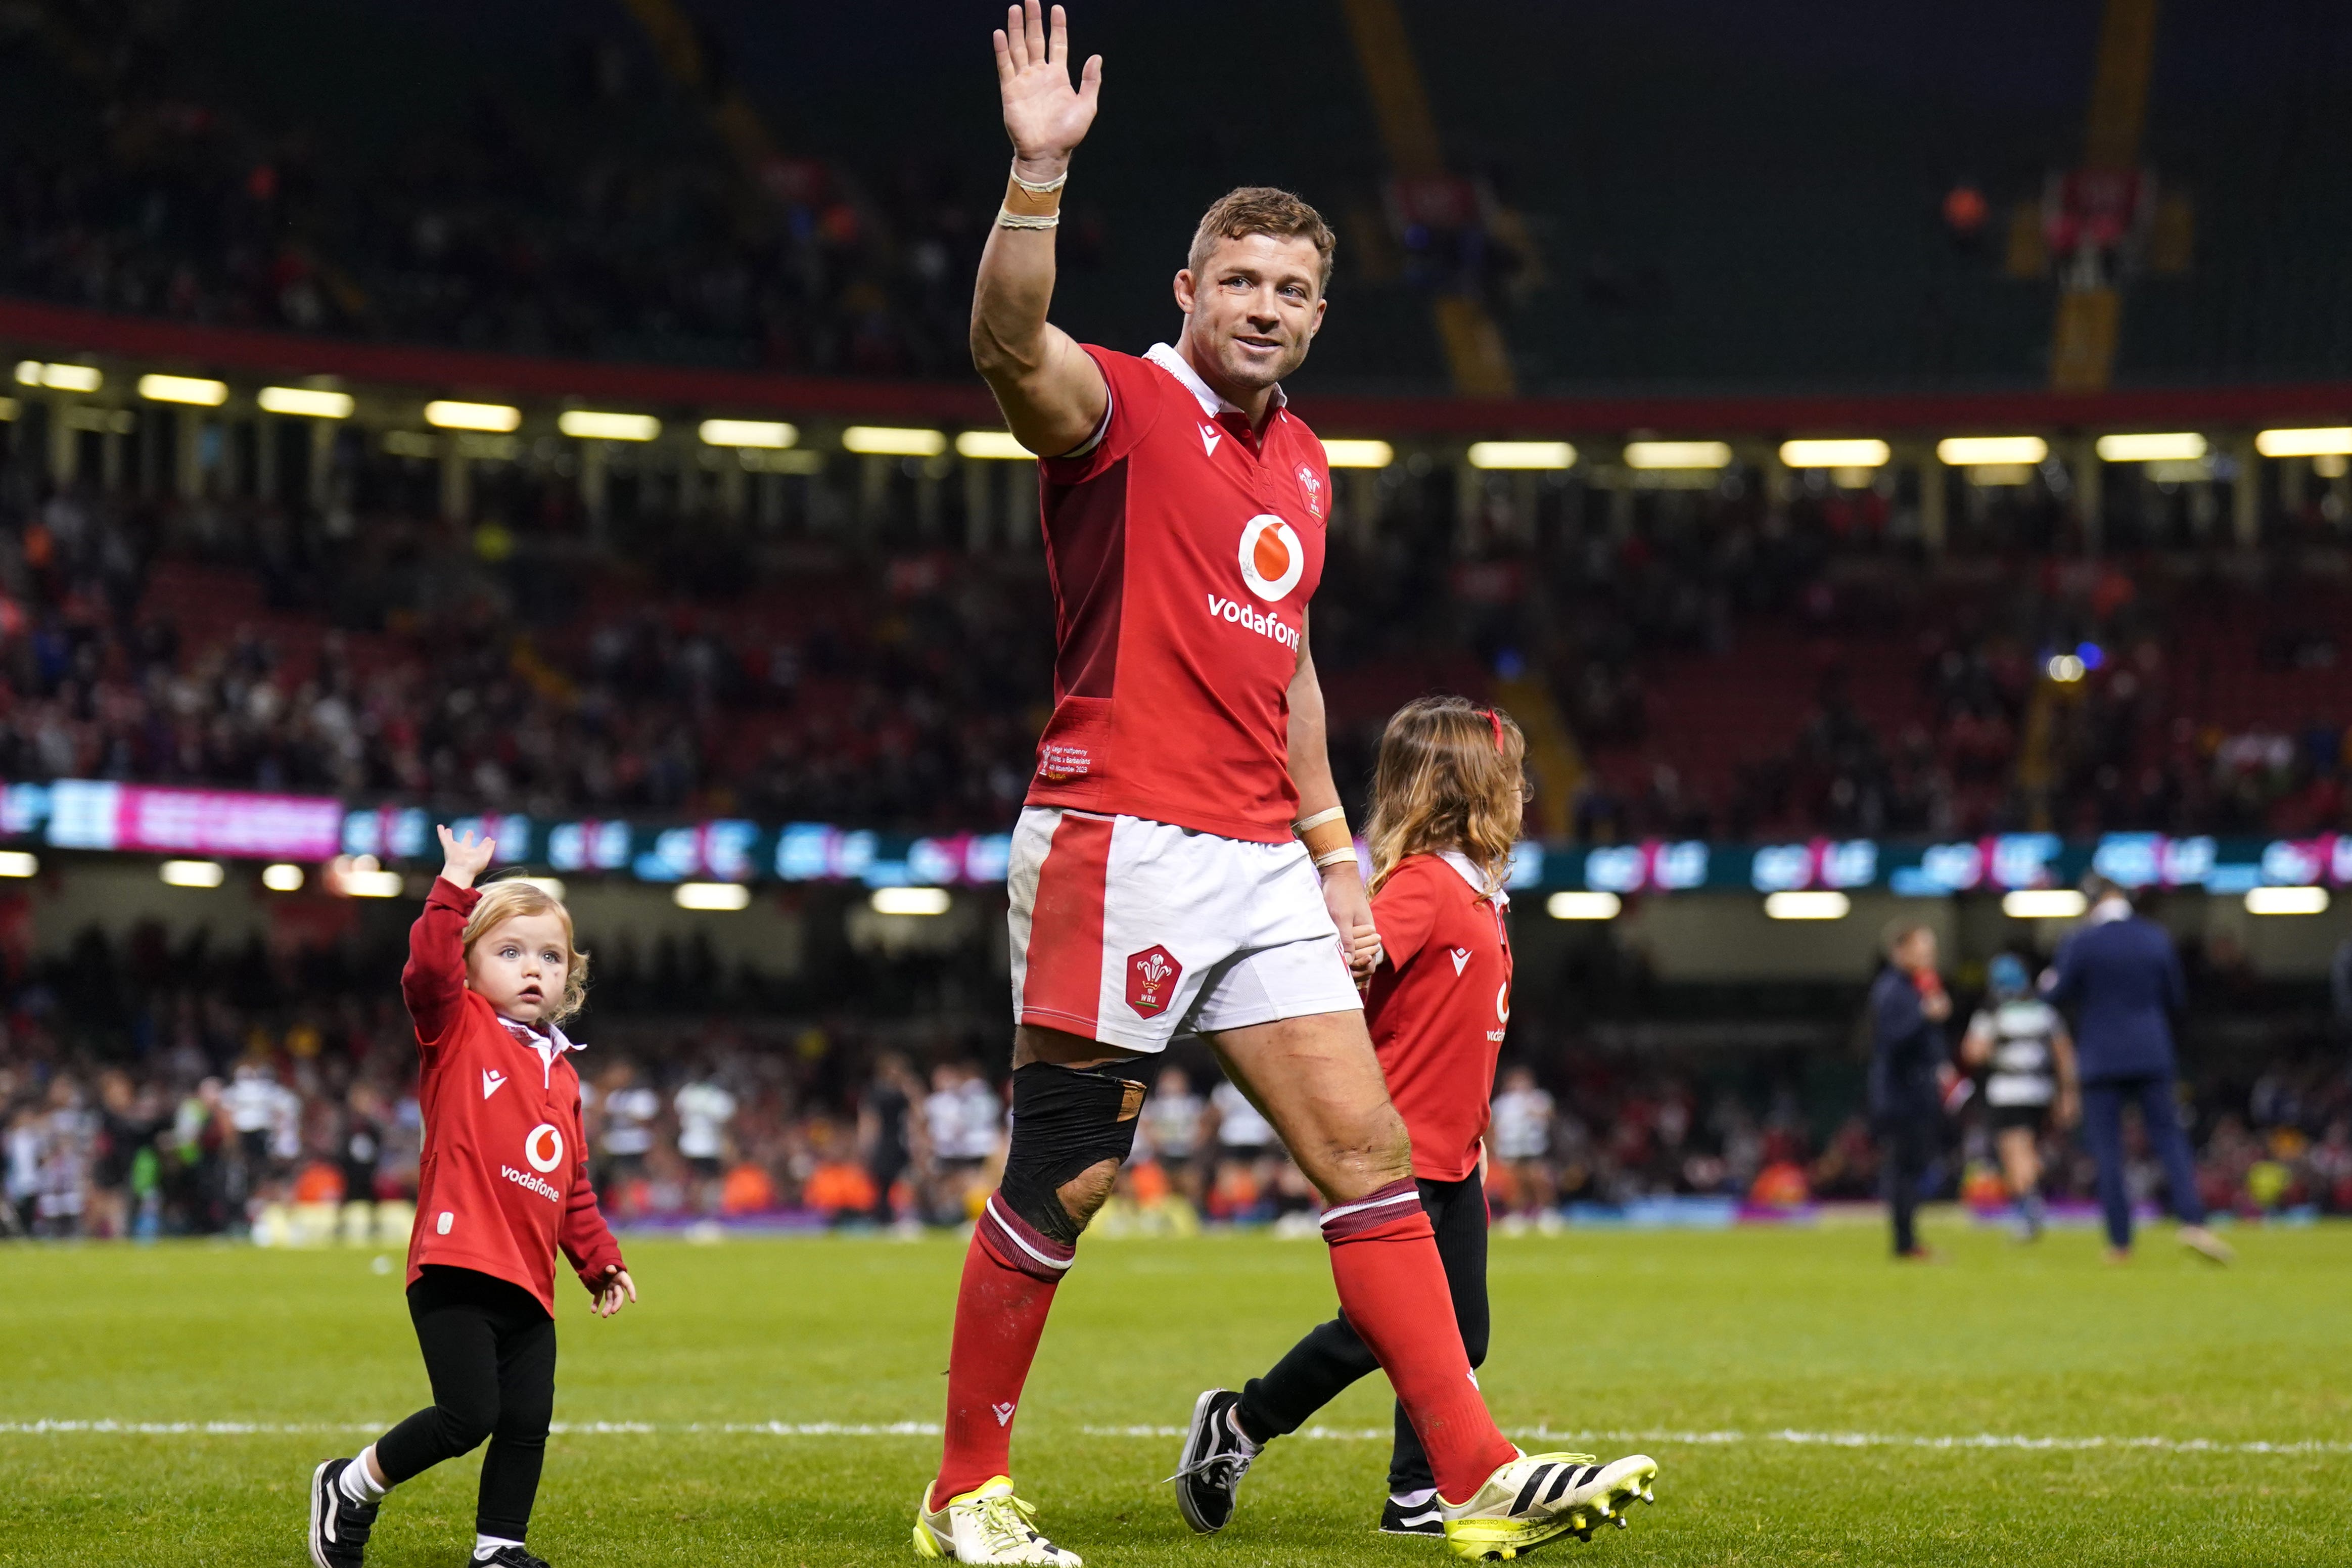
{"points": [[2119, 972], [1519, 1144], [1247, 1151], [965, 1122], [1908, 1006], [626, 1110], [704, 1109], [888, 1131], [1174, 1119]]}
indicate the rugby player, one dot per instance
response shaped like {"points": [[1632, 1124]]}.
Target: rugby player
{"points": [[1182, 861]]}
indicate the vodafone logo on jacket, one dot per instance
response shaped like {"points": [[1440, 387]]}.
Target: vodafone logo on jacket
{"points": [[1272, 558]]}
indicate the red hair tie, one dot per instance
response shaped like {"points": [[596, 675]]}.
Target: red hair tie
{"points": [[1497, 721]]}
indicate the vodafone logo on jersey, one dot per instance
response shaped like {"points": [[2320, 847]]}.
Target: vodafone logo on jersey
{"points": [[543, 1147], [1272, 558]]}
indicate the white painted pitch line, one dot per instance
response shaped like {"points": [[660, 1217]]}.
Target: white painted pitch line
{"points": [[1988, 1440], [1825, 1439], [560, 1429]]}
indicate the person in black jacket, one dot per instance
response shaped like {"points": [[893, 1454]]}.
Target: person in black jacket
{"points": [[1907, 1059], [2120, 976]]}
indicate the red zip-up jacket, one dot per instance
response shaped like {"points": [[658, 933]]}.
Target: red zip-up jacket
{"points": [[504, 1177]]}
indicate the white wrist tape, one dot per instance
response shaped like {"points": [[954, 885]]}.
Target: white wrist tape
{"points": [[1046, 189], [1318, 819], [1336, 857], [1006, 219]]}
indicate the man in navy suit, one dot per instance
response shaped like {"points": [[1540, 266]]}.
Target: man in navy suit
{"points": [[1908, 1056], [2120, 975]]}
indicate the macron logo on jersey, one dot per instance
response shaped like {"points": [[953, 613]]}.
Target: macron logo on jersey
{"points": [[1461, 957], [1209, 439], [492, 1081]]}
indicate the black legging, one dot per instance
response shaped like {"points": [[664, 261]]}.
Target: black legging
{"points": [[1332, 1356], [490, 1348]]}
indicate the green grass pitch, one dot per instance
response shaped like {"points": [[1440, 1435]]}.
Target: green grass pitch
{"points": [[1712, 1347]]}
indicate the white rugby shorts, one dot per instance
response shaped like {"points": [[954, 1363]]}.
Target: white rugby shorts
{"points": [[1131, 933]]}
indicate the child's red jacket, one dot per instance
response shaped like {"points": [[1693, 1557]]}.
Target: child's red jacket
{"points": [[504, 1177]]}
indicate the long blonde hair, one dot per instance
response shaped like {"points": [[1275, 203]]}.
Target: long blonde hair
{"points": [[503, 901], [1451, 776]]}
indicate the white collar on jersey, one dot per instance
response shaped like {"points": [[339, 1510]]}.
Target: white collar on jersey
{"points": [[1212, 404], [547, 1040], [1474, 877]]}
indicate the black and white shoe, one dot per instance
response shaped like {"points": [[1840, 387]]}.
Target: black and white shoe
{"points": [[1216, 1457], [339, 1527], [1425, 1518], [509, 1557]]}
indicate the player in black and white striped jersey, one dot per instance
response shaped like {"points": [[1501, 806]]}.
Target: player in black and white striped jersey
{"points": [[2030, 1084]]}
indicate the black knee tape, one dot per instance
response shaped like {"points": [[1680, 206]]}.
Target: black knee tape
{"points": [[1065, 1120]]}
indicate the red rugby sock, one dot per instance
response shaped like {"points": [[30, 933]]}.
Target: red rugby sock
{"points": [[1009, 1275], [1393, 1290]]}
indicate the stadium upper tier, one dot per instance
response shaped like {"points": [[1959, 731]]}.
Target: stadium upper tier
{"points": [[1643, 199]]}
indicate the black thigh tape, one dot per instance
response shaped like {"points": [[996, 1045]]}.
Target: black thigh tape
{"points": [[1065, 1120]]}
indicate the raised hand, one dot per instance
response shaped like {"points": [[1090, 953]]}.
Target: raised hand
{"points": [[1044, 114], [463, 860]]}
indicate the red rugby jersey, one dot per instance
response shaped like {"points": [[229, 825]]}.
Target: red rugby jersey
{"points": [[504, 1177], [1439, 1003], [1182, 548]]}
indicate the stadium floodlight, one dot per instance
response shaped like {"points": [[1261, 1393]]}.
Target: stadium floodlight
{"points": [[283, 877], [1583, 906], [552, 886], [62, 378], [1863, 454], [720, 896], [1522, 455], [2174, 447], [2328, 443], [191, 873], [911, 902], [996, 445], [2287, 901], [448, 415], [893, 441], [773, 434], [589, 424], [19, 863], [1677, 454], [2065, 668], [1991, 451], [359, 877], [2043, 904], [199, 390], [1800, 905], [308, 402], [1358, 454]]}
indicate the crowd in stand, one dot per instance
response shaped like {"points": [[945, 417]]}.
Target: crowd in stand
{"points": [[906, 689], [604, 219], [179, 1148], [149, 1089]]}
